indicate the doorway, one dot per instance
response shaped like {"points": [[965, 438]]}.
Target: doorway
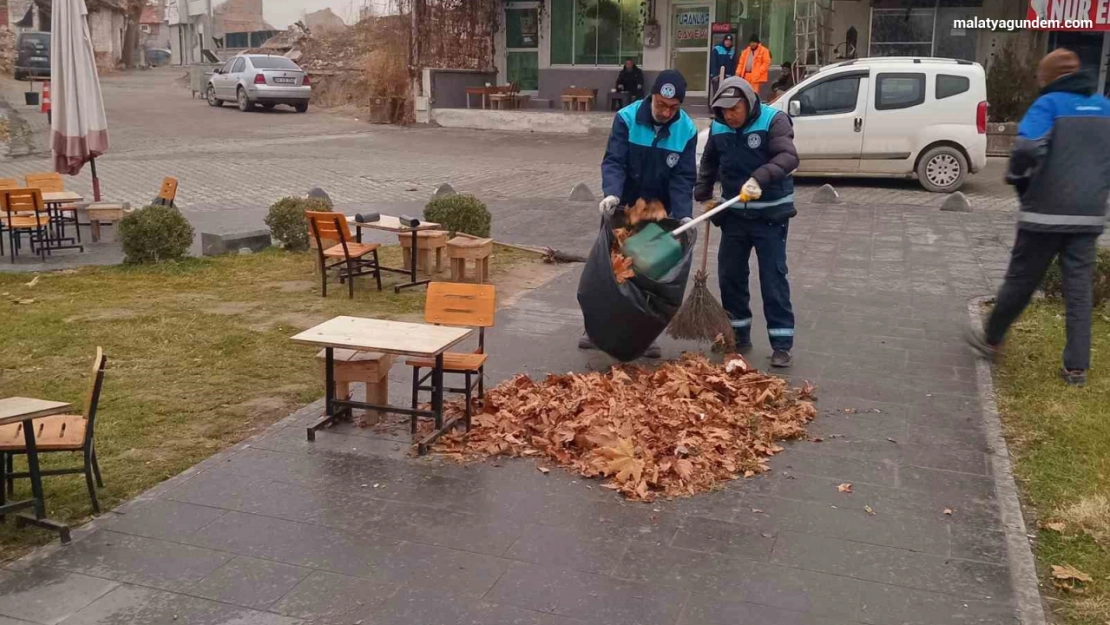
{"points": [[522, 45], [690, 24]]}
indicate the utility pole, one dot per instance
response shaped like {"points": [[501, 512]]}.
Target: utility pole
{"points": [[414, 51]]}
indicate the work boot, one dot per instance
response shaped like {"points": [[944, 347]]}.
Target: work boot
{"points": [[653, 352], [744, 346], [1074, 377], [584, 342], [781, 359], [977, 340]]}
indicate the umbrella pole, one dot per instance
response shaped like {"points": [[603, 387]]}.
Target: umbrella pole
{"points": [[96, 181]]}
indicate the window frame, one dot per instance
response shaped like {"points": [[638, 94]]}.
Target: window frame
{"points": [[879, 76], [858, 75], [639, 52], [239, 66]]}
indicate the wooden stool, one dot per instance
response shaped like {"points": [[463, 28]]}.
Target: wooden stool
{"points": [[462, 249], [427, 242], [370, 368], [104, 213]]}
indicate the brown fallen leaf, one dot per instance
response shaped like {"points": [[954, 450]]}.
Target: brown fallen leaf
{"points": [[949, 511], [1056, 526], [1070, 573], [622, 267], [844, 488], [756, 511], [869, 510], [24, 301]]}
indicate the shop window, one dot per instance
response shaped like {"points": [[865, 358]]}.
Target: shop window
{"points": [[596, 32], [902, 32], [831, 97], [948, 86], [899, 91]]}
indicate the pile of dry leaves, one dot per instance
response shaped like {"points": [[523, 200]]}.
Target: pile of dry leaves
{"points": [[678, 430], [634, 217]]}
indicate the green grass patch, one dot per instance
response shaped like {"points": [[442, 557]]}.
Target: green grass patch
{"points": [[1061, 440], [199, 358]]}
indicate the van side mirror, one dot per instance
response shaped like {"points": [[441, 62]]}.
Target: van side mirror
{"points": [[794, 108]]}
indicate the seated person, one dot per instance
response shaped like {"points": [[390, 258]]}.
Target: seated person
{"points": [[631, 79], [784, 82]]}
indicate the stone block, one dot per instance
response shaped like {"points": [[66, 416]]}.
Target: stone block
{"points": [[320, 194], [582, 193], [234, 242], [956, 203], [443, 190], [826, 195]]}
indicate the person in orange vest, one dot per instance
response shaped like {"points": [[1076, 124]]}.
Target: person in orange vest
{"points": [[754, 62]]}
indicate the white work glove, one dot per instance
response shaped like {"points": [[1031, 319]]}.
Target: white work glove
{"points": [[751, 190], [684, 221], [608, 204]]}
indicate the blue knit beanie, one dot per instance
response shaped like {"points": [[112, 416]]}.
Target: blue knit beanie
{"points": [[670, 84]]}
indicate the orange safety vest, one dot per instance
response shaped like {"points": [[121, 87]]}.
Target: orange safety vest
{"points": [[760, 65]]}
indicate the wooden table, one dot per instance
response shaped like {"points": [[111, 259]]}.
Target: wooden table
{"points": [[387, 337], [482, 91], [54, 200], [388, 223], [25, 410]]}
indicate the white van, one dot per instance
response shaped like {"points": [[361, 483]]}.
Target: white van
{"points": [[894, 117]]}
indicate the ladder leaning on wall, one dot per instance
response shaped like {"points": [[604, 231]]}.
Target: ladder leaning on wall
{"points": [[811, 35]]}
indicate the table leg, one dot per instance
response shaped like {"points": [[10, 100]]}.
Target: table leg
{"points": [[437, 391], [39, 500], [329, 394], [413, 278]]}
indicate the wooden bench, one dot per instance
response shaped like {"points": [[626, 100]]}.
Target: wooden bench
{"points": [[427, 243], [105, 213], [579, 99], [462, 249], [370, 368]]}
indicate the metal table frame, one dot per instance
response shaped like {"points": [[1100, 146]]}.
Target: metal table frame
{"points": [[57, 242], [414, 278], [38, 501]]}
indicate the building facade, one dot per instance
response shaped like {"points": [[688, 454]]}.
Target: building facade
{"points": [[546, 46]]}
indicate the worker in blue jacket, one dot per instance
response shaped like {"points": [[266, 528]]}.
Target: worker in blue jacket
{"points": [[723, 55], [751, 152], [1060, 166], [652, 155]]}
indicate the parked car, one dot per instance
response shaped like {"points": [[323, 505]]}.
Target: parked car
{"points": [[33, 56], [260, 79], [892, 117]]}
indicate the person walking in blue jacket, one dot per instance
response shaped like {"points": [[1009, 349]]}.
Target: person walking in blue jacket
{"points": [[723, 55], [751, 151], [652, 155], [1060, 166]]}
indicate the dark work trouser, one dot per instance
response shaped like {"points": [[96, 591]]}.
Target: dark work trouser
{"points": [[739, 236], [1033, 253]]}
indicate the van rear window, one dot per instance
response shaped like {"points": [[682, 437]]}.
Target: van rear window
{"points": [[899, 91], [948, 86]]}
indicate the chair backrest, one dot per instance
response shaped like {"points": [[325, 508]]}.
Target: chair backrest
{"points": [[168, 191], [9, 183], [92, 400], [323, 225], [23, 201], [461, 305], [48, 182]]}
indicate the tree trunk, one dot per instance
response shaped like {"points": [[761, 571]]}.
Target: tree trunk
{"points": [[131, 32]]}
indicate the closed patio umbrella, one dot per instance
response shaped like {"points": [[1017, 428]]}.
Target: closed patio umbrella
{"points": [[79, 128]]}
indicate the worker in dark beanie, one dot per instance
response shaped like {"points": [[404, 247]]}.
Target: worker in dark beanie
{"points": [[652, 155], [722, 57], [1060, 166]]}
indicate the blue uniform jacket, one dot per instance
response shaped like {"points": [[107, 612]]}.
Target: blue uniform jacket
{"points": [[1060, 164], [642, 163], [762, 149], [722, 57]]}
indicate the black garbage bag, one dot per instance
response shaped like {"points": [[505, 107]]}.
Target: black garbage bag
{"points": [[624, 319]]}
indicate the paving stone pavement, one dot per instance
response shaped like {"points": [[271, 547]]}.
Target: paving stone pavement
{"points": [[350, 530]]}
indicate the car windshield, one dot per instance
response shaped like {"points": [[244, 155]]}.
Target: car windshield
{"points": [[273, 62], [39, 41]]}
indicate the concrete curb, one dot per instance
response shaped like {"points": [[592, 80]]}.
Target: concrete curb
{"points": [[1023, 568]]}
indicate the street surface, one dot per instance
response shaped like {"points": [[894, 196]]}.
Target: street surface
{"points": [[349, 530]]}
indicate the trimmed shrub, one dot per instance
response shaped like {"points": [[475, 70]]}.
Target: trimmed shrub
{"points": [[1053, 285], [459, 213], [155, 234], [1011, 83], [287, 222]]}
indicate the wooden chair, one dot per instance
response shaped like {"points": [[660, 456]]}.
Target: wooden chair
{"points": [[168, 193], [8, 183], [505, 97], [457, 305], [62, 433], [52, 182], [22, 212], [349, 256]]}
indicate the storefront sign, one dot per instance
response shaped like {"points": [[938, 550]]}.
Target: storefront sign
{"points": [[692, 27], [722, 28], [1096, 14]]}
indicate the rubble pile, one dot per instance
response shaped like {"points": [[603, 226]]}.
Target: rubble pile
{"points": [[681, 429], [7, 50]]}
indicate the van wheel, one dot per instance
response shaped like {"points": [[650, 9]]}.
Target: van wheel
{"points": [[943, 169]]}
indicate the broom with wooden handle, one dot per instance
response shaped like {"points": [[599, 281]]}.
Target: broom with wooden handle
{"points": [[702, 318]]}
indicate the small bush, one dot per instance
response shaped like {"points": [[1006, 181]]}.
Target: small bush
{"points": [[1053, 285], [1011, 83], [287, 222], [154, 234], [459, 213]]}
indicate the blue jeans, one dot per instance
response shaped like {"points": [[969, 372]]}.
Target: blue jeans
{"points": [[739, 236]]}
